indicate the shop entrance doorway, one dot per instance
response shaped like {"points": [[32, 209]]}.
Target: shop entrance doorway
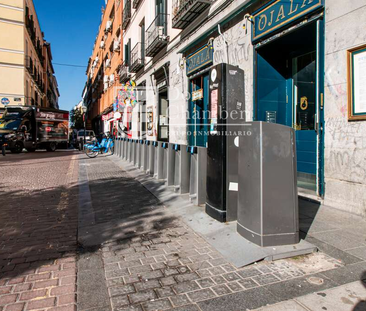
{"points": [[289, 91], [198, 111]]}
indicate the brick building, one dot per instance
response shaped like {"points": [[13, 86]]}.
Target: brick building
{"points": [[103, 67]]}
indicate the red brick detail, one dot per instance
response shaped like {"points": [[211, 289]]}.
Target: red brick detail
{"points": [[58, 274], [69, 265], [5, 290], [66, 299], [62, 290], [49, 268], [64, 308], [43, 303], [67, 280], [18, 260], [22, 287], [15, 307], [33, 294], [66, 259], [16, 281], [4, 300], [37, 277], [2, 282], [45, 284]]}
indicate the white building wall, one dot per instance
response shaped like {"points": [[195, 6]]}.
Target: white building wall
{"points": [[345, 141]]}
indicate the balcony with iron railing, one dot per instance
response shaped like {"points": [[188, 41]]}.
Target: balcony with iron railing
{"points": [[123, 73], [137, 57], [135, 3], [156, 35], [126, 14], [28, 62], [186, 11]]}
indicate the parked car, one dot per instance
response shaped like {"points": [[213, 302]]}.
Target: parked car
{"points": [[89, 136]]}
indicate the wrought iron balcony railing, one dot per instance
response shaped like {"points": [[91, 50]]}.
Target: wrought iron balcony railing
{"points": [[156, 35], [137, 58], [123, 73], [29, 64], [126, 14], [186, 11], [135, 3]]}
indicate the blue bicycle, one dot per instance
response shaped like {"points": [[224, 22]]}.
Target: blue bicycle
{"points": [[106, 145]]}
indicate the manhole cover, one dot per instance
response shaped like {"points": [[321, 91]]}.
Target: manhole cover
{"points": [[315, 280]]}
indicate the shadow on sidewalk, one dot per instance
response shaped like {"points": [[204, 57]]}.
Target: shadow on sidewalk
{"points": [[37, 227], [307, 214], [361, 306]]}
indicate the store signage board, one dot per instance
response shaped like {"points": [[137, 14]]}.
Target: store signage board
{"points": [[108, 116], [197, 95], [279, 13], [199, 59], [356, 83]]}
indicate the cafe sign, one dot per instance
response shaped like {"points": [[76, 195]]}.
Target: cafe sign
{"points": [[200, 59], [280, 13], [197, 95]]}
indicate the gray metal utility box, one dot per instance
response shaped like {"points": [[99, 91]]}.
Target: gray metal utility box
{"points": [[267, 201]]}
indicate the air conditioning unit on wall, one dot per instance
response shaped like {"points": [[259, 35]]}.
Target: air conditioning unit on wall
{"points": [[116, 46], [108, 26], [102, 44], [111, 79], [108, 63]]}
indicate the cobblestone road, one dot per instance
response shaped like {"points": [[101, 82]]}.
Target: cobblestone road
{"points": [[38, 231]]}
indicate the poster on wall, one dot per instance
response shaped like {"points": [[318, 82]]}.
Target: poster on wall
{"points": [[357, 83], [214, 110], [150, 121]]}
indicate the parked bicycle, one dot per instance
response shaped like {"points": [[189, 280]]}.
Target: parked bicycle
{"points": [[106, 145]]}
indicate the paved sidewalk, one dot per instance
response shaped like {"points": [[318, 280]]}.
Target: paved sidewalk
{"points": [[152, 260], [349, 297], [38, 230]]}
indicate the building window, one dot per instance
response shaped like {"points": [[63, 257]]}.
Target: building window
{"points": [[142, 38]]}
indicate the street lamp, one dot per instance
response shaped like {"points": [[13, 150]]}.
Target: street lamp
{"points": [[84, 108]]}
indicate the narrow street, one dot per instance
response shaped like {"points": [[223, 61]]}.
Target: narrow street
{"points": [[83, 234]]}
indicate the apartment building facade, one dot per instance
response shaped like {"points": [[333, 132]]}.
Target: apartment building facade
{"points": [[26, 72], [103, 68], [300, 60]]}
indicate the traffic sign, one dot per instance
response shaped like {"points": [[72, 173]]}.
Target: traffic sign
{"points": [[5, 101]]}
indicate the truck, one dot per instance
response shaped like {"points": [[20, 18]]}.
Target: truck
{"points": [[32, 128]]}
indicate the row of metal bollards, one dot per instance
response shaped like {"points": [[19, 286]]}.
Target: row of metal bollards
{"points": [[182, 168]]}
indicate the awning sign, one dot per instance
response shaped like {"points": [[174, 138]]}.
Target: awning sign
{"points": [[108, 116], [280, 13], [200, 59]]}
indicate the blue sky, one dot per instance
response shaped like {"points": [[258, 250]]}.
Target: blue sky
{"points": [[71, 27]]}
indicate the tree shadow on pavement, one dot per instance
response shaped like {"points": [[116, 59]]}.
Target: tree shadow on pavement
{"points": [[40, 226]]}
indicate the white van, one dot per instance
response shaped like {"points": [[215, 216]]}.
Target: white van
{"points": [[89, 136]]}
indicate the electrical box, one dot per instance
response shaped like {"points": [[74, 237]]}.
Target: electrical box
{"points": [[268, 204], [227, 113]]}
